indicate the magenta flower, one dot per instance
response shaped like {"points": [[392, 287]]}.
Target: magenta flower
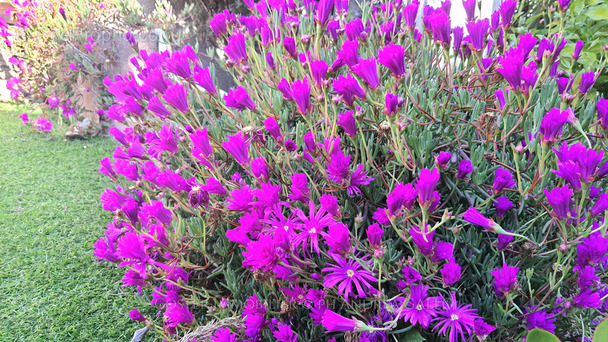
{"points": [[410, 275], [560, 199], [511, 64], [539, 319], [355, 30], [505, 279], [270, 60], [285, 89], [333, 28], [131, 246], [502, 206], [507, 9], [223, 335], [368, 71], [527, 42], [346, 120], [423, 239], [157, 107], [503, 179], [309, 141], [165, 141], [53, 102], [203, 78], [259, 169], [393, 57], [335, 322], [311, 227], [578, 164], [592, 250], [440, 27], [318, 70], [477, 32], [443, 159], [469, 8], [409, 15], [421, 309], [563, 4], [374, 235], [261, 254], [24, 118], [202, 147], [323, 11], [349, 53], [358, 178], [290, 46], [42, 124], [238, 146], [129, 36], [464, 169], [348, 87], [473, 216], [299, 188], [456, 318], [178, 314], [587, 81], [300, 91], [273, 128], [346, 273], [393, 103], [157, 210], [588, 161], [458, 33], [425, 185], [450, 273], [502, 96], [236, 49], [402, 196], [239, 99], [177, 96], [136, 316], [552, 124], [240, 199], [600, 205], [284, 332], [578, 47], [156, 80], [482, 329], [178, 64], [338, 238], [218, 24], [329, 203], [602, 112]]}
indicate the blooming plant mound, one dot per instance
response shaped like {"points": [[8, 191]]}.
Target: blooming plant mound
{"points": [[363, 180], [59, 58]]}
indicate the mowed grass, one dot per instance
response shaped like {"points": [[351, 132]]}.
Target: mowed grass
{"points": [[50, 287]]}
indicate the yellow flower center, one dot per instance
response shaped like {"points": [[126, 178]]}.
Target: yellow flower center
{"points": [[454, 317], [350, 273], [419, 307], [312, 231]]}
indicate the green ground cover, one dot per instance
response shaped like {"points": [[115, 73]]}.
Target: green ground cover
{"points": [[50, 216]]}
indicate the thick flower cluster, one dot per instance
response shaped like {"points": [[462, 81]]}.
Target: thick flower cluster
{"points": [[337, 188]]}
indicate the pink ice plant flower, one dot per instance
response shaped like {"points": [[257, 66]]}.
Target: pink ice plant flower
{"points": [[347, 273]]}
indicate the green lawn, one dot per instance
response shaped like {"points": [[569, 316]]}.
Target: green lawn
{"points": [[50, 287]]}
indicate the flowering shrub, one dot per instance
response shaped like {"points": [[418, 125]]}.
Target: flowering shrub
{"points": [[59, 55], [363, 180]]}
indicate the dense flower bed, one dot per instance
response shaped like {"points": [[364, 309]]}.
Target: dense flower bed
{"points": [[364, 180]]}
